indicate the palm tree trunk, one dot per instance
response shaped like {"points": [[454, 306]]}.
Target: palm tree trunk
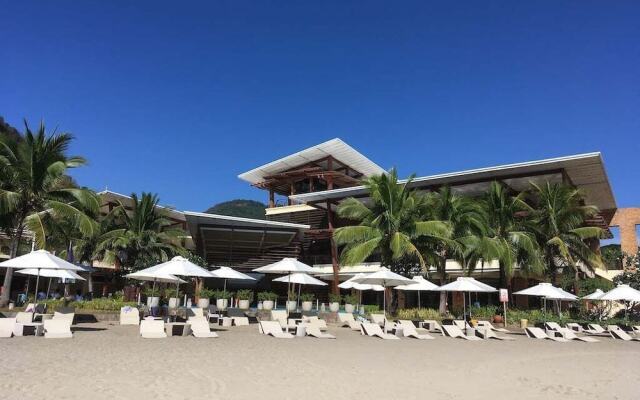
{"points": [[8, 277], [442, 309]]}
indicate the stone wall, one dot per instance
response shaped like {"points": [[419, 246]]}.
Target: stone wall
{"points": [[626, 220]]}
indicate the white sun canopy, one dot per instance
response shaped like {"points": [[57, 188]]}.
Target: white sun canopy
{"points": [[422, 285], [154, 277], [622, 293], [52, 273], [546, 290], [300, 279], [39, 259], [466, 284], [285, 266]]}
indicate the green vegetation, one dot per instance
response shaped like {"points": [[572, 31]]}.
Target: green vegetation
{"points": [[631, 278], [334, 298], [205, 293], [239, 208], [419, 314], [350, 299], [100, 304], [222, 294], [307, 297], [170, 293], [267, 296], [245, 294]]}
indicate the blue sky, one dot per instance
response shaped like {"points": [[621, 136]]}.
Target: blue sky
{"points": [[179, 97]]}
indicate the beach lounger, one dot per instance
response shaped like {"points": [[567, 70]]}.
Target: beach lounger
{"points": [[538, 333], [453, 331], [281, 317], [152, 329], [574, 327], [24, 317], [487, 324], [410, 330], [129, 316], [488, 333], [7, 325], [314, 331], [346, 319], [238, 317], [320, 323], [200, 327], [462, 324], [194, 312], [58, 316], [595, 329], [374, 330], [274, 329], [432, 325], [619, 334], [570, 335], [57, 329]]}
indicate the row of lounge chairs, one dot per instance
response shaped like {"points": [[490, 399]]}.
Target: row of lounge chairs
{"points": [[57, 327]]}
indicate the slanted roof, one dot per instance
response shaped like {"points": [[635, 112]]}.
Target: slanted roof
{"points": [[336, 148], [108, 196], [585, 171]]}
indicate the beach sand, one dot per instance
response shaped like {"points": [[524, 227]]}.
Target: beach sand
{"points": [[108, 361]]}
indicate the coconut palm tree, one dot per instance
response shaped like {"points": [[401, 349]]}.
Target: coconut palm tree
{"points": [[467, 222], [389, 226], [34, 186], [508, 238], [560, 216], [143, 235]]}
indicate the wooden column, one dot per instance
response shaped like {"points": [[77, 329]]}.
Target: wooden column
{"points": [[292, 192], [272, 201], [334, 251], [330, 168]]}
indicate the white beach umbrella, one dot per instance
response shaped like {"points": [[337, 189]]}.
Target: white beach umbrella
{"points": [[594, 296], [547, 291], [623, 293], [466, 284], [154, 277], [230, 273], [287, 265], [352, 284], [51, 273], [423, 285], [385, 278], [39, 260], [300, 278], [179, 266]]}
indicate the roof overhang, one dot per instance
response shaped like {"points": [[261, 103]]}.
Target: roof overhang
{"points": [[336, 148], [198, 218], [584, 171]]}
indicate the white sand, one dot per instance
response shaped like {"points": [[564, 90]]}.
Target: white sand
{"points": [[116, 363]]}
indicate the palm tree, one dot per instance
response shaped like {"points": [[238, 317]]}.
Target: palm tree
{"points": [[34, 186], [509, 238], [389, 226], [143, 235], [466, 219], [560, 216]]}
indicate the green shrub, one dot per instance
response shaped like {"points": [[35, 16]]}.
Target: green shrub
{"points": [[370, 308], [98, 304], [149, 292], [222, 294], [419, 314], [293, 296], [334, 298], [307, 297], [267, 296], [172, 293], [351, 299], [484, 313], [205, 293], [245, 294]]}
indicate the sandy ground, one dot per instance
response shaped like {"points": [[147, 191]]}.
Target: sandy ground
{"points": [[108, 361]]}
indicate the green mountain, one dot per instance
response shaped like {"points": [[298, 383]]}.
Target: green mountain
{"points": [[9, 132], [239, 208]]}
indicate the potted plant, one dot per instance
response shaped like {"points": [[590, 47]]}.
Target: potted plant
{"points": [[292, 304], [153, 297], [173, 296], [222, 299], [307, 301], [204, 296], [350, 302], [245, 296], [267, 299], [334, 302]]}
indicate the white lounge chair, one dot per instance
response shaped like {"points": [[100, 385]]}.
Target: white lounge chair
{"points": [[432, 325], [7, 325], [58, 316], [410, 330], [574, 327], [57, 329], [129, 316], [314, 320], [281, 317], [24, 317], [374, 330], [595, 329], [619, 334], [195, 312], [200, 328], [488, 333], [314, 331], [462, 324], [567, 333], [453, 331], [538, 333], [274, 329], [346, 319], [487, 324], [152, 329]]}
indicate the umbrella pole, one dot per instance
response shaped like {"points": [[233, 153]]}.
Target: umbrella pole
{"points": [[418, 299], [48, 287], [35, 296], [298, 300], [286, 306], [464, 312], [225, 284]]}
